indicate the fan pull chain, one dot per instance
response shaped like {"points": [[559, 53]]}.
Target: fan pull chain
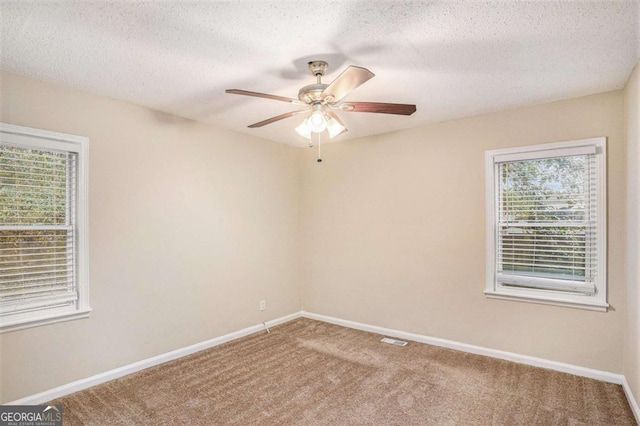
{"points": [[315, 136]]}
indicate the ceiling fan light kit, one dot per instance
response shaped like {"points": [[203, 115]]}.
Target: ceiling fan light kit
{"points": [[322, 100]]}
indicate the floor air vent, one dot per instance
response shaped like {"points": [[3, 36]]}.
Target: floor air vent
{"points": [[394, 342]]}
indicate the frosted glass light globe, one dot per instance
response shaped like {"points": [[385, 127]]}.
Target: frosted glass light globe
{"points": [[316, 122]]}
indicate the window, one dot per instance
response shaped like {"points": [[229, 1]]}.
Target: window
{"points": [[43, 227], [546, 224]]}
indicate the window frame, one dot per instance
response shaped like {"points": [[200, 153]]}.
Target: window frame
{"points": [[494, 290], [26, 137]]}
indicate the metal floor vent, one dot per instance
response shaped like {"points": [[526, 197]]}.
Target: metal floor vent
{"points": [[394, 342]]}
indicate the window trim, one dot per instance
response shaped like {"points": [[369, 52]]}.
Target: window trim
{"points": [[597, 301], [36, 138]]}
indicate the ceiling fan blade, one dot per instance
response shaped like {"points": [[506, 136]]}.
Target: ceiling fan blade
{"points": [[350, 78], [335, 117], [378, 107], [264, 95], [277, 118]]}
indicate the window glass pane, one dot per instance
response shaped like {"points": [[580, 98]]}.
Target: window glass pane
{"points": [[36, 228], [543, 218], [35, 263], [553, 252], [546, 190], [33, 186]]}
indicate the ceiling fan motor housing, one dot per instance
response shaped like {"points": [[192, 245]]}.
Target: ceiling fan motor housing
{"points": [[312, 93]]}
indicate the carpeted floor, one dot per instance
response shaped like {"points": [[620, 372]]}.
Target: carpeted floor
{"points": [[312, 373]]}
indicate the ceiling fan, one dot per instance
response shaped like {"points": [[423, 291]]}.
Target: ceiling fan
{"points": [[323, 100]]}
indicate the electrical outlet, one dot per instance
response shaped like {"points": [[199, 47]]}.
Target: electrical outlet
{"points": [[263, 305]]}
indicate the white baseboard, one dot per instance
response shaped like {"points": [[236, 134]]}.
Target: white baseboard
{"points": [[116, 373], [632, 400], [576, 370], [604, 376]]}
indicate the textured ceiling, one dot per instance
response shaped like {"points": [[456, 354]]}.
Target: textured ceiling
{"points": [[452, 59]]}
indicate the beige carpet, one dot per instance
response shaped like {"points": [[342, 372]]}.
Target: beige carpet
{"points": [[312, 373]]}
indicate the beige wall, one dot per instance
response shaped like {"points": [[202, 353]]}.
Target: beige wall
{"points": [[201, 223], [632, 335], [190, 226], [394, 234]]}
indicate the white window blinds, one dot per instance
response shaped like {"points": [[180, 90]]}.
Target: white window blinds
{"points": [[546, 224], [37, 229]]}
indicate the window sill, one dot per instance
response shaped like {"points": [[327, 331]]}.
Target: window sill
{"points": [[591, 306], [44, 320]]}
